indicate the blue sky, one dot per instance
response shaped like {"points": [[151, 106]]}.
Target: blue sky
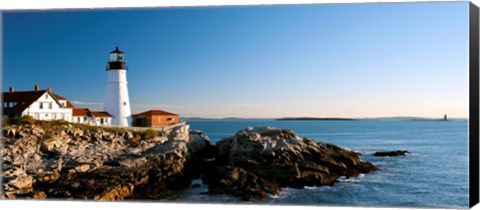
{"points": [[326, 60]]}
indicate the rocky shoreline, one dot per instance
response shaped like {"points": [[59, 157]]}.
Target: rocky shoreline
{"points": [[260, 161], [94, 163], [75, 162]]}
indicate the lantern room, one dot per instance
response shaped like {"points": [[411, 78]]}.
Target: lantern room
{"points": [[117, 60]]}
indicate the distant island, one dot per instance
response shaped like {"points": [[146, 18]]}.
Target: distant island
{"points": [[314, 118], [408, 118], [373, 118], [413, 118]]}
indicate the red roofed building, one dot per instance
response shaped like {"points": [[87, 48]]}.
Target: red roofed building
{"points": [[63, 101], [46, 105], [82, 115], [40, 104], [102, 118], [154, 118]]}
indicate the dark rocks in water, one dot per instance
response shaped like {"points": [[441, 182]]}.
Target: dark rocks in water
{"points": [[259, 161], [391, 153], [242, 183], [196, 185]]}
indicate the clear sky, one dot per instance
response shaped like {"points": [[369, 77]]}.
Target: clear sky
{"points": [[326, 60]]}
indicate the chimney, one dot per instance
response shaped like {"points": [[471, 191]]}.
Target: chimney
{"points": [[49, 90], [37, 88], [12, 90]]}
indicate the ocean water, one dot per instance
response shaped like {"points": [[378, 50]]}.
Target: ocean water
{"points": [[434, 175]]}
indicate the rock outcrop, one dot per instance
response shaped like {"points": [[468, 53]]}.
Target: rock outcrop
{"points": [[391, 153], [260, 161], [81, 162]]}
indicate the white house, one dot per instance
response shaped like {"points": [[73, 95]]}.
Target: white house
{"points": [[46, 105], [102, 118], [85, 116], [40, 104], [81, 115]]}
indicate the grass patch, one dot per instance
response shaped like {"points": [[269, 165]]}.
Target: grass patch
{"points": [[59, 125], [135, 141], [24, 120], [149, 134]]}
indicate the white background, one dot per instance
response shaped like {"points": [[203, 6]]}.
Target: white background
{"points": [[73, 205]]}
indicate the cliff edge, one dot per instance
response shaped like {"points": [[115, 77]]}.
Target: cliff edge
{"points": [[85, 162]]}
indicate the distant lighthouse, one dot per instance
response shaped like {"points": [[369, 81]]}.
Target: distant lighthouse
{"points": [[116, 95]]}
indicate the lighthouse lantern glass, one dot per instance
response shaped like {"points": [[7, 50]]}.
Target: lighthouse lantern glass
{"points": [[119, 57], [116, 57], [113, 56]]}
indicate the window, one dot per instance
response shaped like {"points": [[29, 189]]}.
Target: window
{"points": [[50, 105], [84, 119], [124, 103], [170, 119], [54, 115], [46, 115], [46, 96], [101, 120], [41, 105], [9, 104]]}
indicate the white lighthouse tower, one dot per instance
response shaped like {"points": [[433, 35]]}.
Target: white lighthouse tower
{"points": [[116, 101]]}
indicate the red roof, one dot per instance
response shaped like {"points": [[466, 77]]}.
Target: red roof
{"points": [[155, 112], [23, 99], [80, 112], [69, 105], [101, 114]]}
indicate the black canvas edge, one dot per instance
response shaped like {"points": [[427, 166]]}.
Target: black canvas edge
{"points": [[474, 106]]}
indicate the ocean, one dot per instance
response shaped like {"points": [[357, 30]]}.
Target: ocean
{"points": [[434, 175]]}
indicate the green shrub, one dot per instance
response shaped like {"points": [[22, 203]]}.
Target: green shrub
{"points": [[23, 120], [5, 122], [51, 123], [149, 134], [136, 139]]}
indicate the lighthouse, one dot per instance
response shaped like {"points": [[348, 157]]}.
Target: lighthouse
{"points": [[116, 95]]}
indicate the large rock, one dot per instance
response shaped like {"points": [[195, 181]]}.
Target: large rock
{"points": [[270, 155], [55, 145], [242, 183], [18, 183], [391, 153], [76, 161]]}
